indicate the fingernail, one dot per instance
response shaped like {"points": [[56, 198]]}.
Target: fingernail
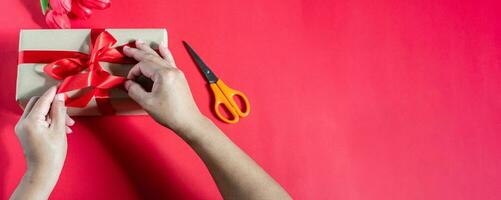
{"points": [[68, 130], [71, 122], [52, 89], [60, 97], [126, 47], [139, 41]]}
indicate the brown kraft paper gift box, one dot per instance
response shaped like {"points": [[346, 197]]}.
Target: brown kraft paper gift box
{"points": [[32, 81]]}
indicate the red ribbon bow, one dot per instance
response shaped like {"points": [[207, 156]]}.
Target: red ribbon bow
{"points": [[79, 71]]}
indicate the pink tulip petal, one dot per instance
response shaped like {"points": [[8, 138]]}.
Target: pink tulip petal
{"points": [[60, 6], [80, 11], [97, 4], [55, 20]]}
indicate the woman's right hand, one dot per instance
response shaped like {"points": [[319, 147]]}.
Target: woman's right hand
{"points": [[170, 101]]}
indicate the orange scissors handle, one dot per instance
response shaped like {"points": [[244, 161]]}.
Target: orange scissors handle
{"points": [[224, 96]]}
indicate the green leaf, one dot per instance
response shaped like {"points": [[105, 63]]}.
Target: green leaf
{"points": [[44, 4]]}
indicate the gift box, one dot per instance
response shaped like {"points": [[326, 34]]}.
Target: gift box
{"points": [[87, 65]]}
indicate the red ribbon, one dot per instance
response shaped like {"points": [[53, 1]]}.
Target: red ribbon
{"points": [[82, 72]]}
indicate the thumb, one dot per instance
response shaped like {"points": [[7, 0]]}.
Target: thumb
{"points": [[58, 113], [136, 92]]}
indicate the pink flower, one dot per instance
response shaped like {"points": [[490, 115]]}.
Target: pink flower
{"points": [[60, 6], [55, 20], [80, 11], [96, 4]]}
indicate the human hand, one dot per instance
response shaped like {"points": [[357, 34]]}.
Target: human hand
{"points": [[41, 131], [170, 101]]}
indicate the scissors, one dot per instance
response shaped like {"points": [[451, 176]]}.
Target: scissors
{"points": [[223, 95]]}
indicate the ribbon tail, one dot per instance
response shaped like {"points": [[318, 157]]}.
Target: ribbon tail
{"points": [[80, 101], [103, 102]]}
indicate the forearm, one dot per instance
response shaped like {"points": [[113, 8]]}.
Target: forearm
{"points": [[171, 104], [36, 183], [235, 173]]}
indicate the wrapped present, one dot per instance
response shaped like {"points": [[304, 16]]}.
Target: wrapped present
{"points": [[88, 66]]}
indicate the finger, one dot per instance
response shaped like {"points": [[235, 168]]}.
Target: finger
{"points": [[28, 107], [138, 54], [166, 54], [134, 72], [145, 47], [68, 130], [58, 113], [136, 92], [144, 68], [42, 106], [69, 121]]}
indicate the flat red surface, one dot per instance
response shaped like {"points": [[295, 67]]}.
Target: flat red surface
{"points": [[350, 100]]}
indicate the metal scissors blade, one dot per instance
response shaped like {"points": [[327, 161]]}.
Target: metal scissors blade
{"points": [[209, 75]]}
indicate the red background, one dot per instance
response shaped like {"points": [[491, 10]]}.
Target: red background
{"points": [[350, 100]]}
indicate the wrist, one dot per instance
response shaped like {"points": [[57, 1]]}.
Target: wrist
{"points": [[200, 129], [48, 166], [43, 173], [37, 183]]}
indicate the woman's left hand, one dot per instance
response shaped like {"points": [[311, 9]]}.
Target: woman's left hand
{"points": [[42, 133]]}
